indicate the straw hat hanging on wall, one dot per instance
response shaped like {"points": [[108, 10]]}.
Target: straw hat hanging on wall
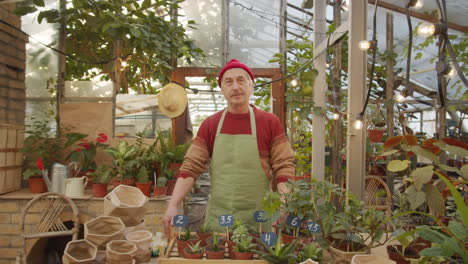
{"points": [[172, 100]]}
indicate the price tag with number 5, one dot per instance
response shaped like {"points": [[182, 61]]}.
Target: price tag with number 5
{"points": [[180, 220], [293, 221], [226, 220], [259, 217], [269, 238], [313, 227]]}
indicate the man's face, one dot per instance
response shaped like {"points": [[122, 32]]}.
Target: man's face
{"points": [[236, 86]]}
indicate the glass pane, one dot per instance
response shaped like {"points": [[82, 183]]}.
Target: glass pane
{"points": [[88, 89], [137, 113], [254, 32], [208, 36]]}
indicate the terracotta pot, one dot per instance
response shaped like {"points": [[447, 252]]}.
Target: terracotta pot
{"points": [[287, 238], [231, 245], [129, 182], [214, 254], [182, 245], [159, 191], [145, 188], [305, 177], [203, 237], [175, 167], [99, 189], [189, 255], [37, 184], [375, 135], [243, 255], [394, 253], [170, 186]]}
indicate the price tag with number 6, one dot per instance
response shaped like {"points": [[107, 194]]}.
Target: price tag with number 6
{"points": [[269, 238], [226, 220], [180, 220], [259, 217], [293, 221], [313, 227]]}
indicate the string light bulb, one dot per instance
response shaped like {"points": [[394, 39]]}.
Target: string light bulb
{"points": [[124, 64], [366, 44], [293, 82], [358, 122], [452, 73], [401, 97], [335, 116], [417, 4], [426, 30]]}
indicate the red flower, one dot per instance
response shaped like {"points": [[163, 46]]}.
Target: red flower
{"points": [[101, 138], [78, 150], [39, 164], [86, 145]]}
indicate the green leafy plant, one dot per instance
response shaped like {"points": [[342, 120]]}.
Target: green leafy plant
{"points": [[279, 254], [187, 235], [103, 174], [205, 228], [195, 248], [244, 244], [122, 155], [214, 245], [142, 176], [310, 251], [169, 152], [161, 181]]}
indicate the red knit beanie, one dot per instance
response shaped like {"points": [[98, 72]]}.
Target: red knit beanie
{"points": [[234, 64]]}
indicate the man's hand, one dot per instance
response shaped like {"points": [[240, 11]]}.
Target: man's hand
{"points": [[167, 220]]}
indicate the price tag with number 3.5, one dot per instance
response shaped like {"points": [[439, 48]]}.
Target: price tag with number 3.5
{"points": [[226, 220], [180, 220]]}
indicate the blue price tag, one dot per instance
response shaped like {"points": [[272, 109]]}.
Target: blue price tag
{"points": [[293, 221], [313, 227], [348, 236], [226, 220], [180, 220], [259, 217], [269, 238]]}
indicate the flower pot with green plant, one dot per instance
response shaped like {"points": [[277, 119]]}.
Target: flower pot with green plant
{"points": [[194, 251], [160, 190], [214, 248], [85, 154], [101, 178], [142, 182], [122, 154], [376, 122], [42, 143], [35, 178], [310, 251], [184, 240], [279, 254], [244, 248], [204, 232]]}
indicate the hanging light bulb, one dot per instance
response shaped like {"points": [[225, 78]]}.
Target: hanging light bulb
{"points": [[358, 124], [426, 30], [124, 64], [335, 116], [293, 82], [400, 98]]}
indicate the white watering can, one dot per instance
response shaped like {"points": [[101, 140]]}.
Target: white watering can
{"points": [[59, 175], [74, 187]]}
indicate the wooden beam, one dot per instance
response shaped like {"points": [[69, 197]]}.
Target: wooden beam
{"points": [[421, 16], [357, 62], [338, 33], [389, 90]]}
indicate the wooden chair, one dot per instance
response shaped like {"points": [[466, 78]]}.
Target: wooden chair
{"points": [[47, 208], [372, 186]]}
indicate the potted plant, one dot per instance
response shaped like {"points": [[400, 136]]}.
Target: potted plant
{"points": [[194, 251], [184, 240], [35, 178], [376, 121], [85, 153], [142, 182], [310, 251], [214, 249], [122, 155], [101, 178], [204, 232], [160, 190], [244, 248], [279, 254]]}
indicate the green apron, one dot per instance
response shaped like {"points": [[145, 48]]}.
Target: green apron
{"points": [[238, 182]]}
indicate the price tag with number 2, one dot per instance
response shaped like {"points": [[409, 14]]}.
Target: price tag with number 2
{"points": [[180, 220], [226, 220]]}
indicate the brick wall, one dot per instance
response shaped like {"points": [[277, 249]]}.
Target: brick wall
{"points": [[10, 213], [12, 67]]}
